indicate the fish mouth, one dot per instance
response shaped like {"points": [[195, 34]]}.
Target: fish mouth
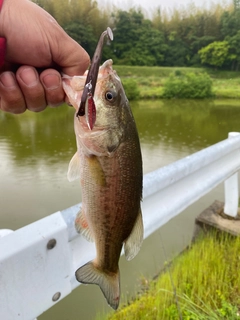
{"points": [[98, 130], [87, 104]]}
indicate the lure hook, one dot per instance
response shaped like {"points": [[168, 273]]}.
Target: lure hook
{"points": [[92, 75]]}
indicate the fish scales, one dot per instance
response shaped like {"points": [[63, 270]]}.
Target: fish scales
{"points": [[109, 164], [118, 196]]}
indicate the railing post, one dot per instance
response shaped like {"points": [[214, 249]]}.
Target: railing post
{"points": [[231, 190]]}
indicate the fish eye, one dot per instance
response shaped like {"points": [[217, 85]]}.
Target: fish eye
{"points": [[110, 96]]}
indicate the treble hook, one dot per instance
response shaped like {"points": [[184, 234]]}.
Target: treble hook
{"points": [[91, 80]]}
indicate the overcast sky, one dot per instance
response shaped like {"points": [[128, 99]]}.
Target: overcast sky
{"points": [[150, 5]]}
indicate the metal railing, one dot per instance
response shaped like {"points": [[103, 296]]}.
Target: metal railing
{"points": [[38, 261]]}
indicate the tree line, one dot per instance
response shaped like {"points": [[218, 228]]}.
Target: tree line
{"points": [[188, 37]]}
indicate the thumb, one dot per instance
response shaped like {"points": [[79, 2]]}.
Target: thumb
{"points": [[71, 57]]}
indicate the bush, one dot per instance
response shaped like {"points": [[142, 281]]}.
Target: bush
{"points": [[178, 73], [131, 89], [189, 85]]}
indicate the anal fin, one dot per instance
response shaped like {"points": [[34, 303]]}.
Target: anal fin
{"points": [[133, 243], [82, 226]]}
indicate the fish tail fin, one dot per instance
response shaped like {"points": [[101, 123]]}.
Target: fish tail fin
{"points": [[109, 283]]}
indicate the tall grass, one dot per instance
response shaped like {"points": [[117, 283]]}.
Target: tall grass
{"points": [[207, 282]]}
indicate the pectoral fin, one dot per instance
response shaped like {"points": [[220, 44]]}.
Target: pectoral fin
{"points": [[96, 171], [73, 87], [74, 168], [82, 226], [133, 243]]}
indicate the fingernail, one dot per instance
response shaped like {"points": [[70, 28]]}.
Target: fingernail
{"points": [[29, 76], [51, 81], [7, 79]]}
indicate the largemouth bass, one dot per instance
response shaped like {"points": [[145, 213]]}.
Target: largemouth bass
{"points": [[109, 164]]}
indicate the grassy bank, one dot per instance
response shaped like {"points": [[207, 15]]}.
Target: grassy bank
{"points": [[206, 280], [150, 80]]}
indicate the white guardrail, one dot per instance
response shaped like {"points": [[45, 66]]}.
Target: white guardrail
{"points": [[38, 261]]}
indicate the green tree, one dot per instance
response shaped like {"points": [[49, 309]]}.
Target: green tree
{"points": [[149, 49], [136, 42], [178, 53], [83, 35], [127, 31], [236, 4], [215, 54], [230, 23], [234, 51], [187, 31], [188, 36], [197, 44]]}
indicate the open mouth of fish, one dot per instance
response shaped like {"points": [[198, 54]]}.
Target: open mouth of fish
{"points": [[87, 105]]}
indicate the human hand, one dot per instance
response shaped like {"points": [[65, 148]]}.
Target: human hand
{"points": [[35, 42]]}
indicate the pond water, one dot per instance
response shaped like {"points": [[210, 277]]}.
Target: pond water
{"points": [[35, 150]]}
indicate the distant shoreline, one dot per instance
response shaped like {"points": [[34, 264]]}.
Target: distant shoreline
{"points": [[150, 80]]}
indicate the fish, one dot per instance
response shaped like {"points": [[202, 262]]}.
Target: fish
{"points": [[108, 163]]}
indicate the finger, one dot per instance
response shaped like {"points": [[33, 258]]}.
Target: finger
{"points": [[52, 83], [12, 99], [32, 89]]}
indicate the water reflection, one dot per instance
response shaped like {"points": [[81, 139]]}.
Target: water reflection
{"points": [[32, 136], [35, 150], [191, 123]]}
